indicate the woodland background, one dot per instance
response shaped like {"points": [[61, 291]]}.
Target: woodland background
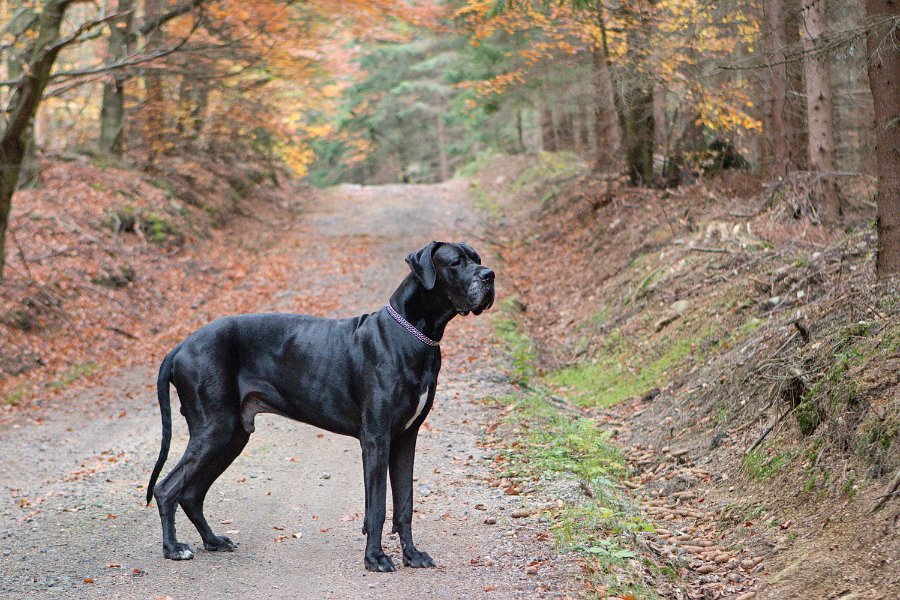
{"points": [[695, 204], [396, 91]]}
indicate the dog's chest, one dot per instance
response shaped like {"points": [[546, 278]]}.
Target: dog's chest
{"points": [[423, 398]]}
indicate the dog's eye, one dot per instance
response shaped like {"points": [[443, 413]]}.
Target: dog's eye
{"points": [[456, 262]]}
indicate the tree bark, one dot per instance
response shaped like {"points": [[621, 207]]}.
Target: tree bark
{"points": [[784, 126], [607, 129], [112, 108], [819, 110], [566, 139], [23, 105], [660, 121], [520, 133], [29, 170], [884, 79], [154, 100], [193, 99], [548, 132], [639, 133]]}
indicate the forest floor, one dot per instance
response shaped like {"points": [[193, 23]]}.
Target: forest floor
{"points": [[680, 394]]}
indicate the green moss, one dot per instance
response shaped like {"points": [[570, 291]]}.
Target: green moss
{"points": [[14, 397], [759, 465], [808, 416], [74, 374], [159, 231], [622, 374]]}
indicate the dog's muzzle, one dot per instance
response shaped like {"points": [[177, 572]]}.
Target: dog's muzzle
{"points": [[481, 293]]}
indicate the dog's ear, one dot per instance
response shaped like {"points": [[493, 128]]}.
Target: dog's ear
{"points": [[421, 263], [470, 252]]}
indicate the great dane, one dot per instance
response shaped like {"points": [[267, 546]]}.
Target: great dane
{"points": [[372, 377]]}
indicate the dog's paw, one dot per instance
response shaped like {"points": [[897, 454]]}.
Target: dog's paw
{"points": [[379, 563], [414, 558], [219, 544], [177, 551]]}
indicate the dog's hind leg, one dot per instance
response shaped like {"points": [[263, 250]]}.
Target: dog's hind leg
{"points": [[167, 493], [212, 458]]}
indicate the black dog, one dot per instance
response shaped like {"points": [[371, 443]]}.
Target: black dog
{"points": [[372, 377]]}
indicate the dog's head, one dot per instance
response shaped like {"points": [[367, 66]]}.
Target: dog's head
{"points": [[454, 270]]}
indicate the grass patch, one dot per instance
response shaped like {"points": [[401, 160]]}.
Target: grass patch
{"points": [[481, 161], [760, 466], [548, 166], [550, 446], [75, 373], [14, 397], [602, 525], [622, 373], [516, 344]]}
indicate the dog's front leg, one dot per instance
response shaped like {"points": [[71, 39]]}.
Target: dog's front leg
{"points": [[375, 451], [403, 452]]}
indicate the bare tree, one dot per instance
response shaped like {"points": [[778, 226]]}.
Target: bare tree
{"points": [[39, 58], [112, 109], [819, 110], [30, 83], [884, 78]]}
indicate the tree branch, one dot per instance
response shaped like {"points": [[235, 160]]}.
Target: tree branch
{"points": [[158, 22], [129, 61]]}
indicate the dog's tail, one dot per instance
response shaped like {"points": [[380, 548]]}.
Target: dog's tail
{"points": [[165, 409]]}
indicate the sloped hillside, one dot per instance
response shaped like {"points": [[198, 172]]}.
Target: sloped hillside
{"points": [[741, 357]]}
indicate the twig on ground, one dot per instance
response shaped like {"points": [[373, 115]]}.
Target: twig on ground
{"points": [[714, 250], [893, 491], [766, 433]]}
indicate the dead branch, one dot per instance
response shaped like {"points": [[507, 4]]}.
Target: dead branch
{"points": [[893, 491]]}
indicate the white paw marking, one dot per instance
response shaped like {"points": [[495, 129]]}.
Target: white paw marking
{"points": [[186, 555], [419, 408]]}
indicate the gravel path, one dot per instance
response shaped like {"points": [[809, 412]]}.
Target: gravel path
{"points": [[72, 520]]}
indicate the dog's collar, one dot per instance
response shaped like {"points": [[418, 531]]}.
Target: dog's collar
{"points": [[410, 327]]}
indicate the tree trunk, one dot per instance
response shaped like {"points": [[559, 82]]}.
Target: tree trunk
{"points": [[784, 126], [566, 140], [819, 112], [548, 132], [660, 121], [23, 105], [154, 100], [29, 170], [193, 99], [520, 134], [607, 129], [443, 164], [112, 108], [639, 133], [884, 78]]}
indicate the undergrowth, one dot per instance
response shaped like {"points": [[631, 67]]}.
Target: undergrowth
{"points": [[550, 446], [621, 371]]}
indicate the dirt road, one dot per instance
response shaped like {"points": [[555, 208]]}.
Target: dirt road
{"points": [[72, 519]]}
